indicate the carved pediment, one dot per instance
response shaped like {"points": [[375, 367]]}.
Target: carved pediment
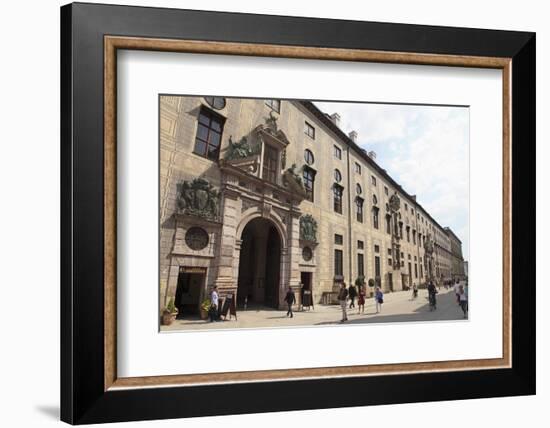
{"points": [[270, 132]]}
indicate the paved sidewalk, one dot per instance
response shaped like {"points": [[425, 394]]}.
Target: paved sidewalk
{"points": [[397, 307]]}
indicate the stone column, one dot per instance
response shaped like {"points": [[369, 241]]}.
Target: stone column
{"points": [[292, 256], [226, 280]]}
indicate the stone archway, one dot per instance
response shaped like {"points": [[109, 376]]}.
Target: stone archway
{"points": [[260, 272]]}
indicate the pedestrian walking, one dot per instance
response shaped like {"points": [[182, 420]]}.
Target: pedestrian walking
{"points": [[432, 291], [463, 301], [352, 292], [379, 299], [456, 290], [343, 299], [214, 304], [290, 299], [415, 292], [361, 300]]}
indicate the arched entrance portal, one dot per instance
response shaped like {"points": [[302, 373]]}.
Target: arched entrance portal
{"points": [[259, 264]]}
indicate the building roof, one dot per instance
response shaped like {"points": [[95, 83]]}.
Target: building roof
{"points": [[325, 120], [450, 232]]}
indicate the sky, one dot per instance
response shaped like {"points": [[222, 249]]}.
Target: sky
{"points": [[423, 148]]}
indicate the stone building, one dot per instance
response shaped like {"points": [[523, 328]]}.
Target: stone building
{"points": [[259, 195], [457, 261]]}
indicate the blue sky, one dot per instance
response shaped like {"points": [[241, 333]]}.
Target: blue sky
{"points": [[424, 148]]}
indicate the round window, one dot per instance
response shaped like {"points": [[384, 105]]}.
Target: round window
{"points": [[308, 157], [374, 200], [307, 254], [215, 102], [337, 176], [358, 189], [196, 238]]}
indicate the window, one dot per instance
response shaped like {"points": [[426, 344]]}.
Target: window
{"points": [[338, 239], [209, 134], [389, 262], [408, 234], [338, 263], [421, 272], [275, 105], [389, 251], [377, 267], [308, 157], [337, 152], [309, 183], [337, 176], [406, 207], [412, 211], [414, 237], [402, 256], [375, 218], [374, 200], [270, 162], [338, 190], [415, 270], [373, 180], [386, 190], [357, 168], [409, 256], [360, 265], [358, 189], [309, 131], [359, 205], [215, 102], [377, 248], [360, 245], [388, 224]]}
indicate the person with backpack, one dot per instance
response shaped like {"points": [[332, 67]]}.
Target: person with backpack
{"points": [[343, 299], [379, 299]]}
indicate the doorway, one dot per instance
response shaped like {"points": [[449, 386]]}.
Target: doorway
{"points": [[189, 290], [259, 264]]}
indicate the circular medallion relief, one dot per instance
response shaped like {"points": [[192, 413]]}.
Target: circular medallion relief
{"points": [[196, 238], [307, 254]]}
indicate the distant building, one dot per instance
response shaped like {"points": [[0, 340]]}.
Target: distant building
{"points": [[457, 261], [465, 268], [258, 195]]}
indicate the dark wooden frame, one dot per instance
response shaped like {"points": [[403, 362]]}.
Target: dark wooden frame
{"points": [[88, 201]]}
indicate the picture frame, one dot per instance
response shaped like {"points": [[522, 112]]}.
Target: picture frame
{"points": [[91, 392]]}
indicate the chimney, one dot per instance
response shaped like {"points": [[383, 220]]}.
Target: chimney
{"points": [[353, 136], [335, 117], [372, 154]]}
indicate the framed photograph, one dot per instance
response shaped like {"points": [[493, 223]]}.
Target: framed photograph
{"points": [[292, 213]]}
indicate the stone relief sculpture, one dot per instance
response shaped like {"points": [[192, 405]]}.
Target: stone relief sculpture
{"points": [[271, 123], [241, 149], [395, 202], [198, 198], [293, 180], [308, 228]]}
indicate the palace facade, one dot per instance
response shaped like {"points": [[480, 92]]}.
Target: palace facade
{"points": [[258, 195]]}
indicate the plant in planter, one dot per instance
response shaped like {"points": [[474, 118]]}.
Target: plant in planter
{"points": [[169, 313], [205, 307]]}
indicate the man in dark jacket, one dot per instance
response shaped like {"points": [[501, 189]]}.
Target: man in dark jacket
{"points": [[290, 299], [352, 292]]}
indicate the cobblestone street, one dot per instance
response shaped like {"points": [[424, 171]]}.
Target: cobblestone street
{"points": [[397, 307]]}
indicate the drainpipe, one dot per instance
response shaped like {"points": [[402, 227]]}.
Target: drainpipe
{"points": [[350, 246]]}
